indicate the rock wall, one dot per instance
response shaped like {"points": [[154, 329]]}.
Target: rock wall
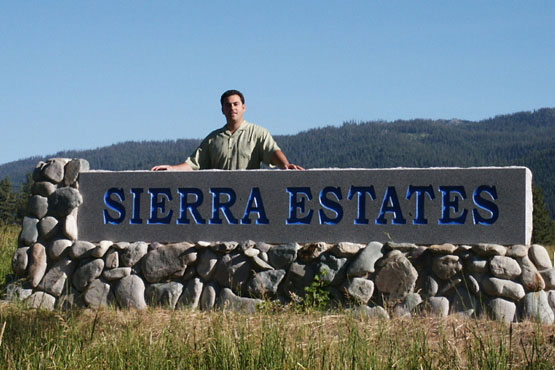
{"points": [[56, 269]]}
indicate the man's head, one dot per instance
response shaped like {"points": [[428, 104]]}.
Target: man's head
{"points": [[233, 106]]}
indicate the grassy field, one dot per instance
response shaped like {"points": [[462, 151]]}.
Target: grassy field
{"points": [[276, 338]]}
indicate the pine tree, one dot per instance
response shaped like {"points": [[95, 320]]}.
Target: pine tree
{"points": [[7, 202], [544, 226]]}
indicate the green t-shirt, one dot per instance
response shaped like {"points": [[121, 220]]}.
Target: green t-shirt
{"points": [[244, 149]]}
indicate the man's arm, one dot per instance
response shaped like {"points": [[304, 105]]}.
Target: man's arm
{"points": [[280, 160], [177, 167]]}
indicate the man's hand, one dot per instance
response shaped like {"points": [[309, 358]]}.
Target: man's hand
{"points": [[280, 160], [178, 167], [292, 166]]}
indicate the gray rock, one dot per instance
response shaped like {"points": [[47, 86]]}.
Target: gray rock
{"points": [[86, 273], [54, 281], [445, 248], [464, 303], [332, 269], [37, 264], [227, 300], [504, 267], [97, 294], [365, 261], [190, 273], [530, 277], [41, 300], [360, 290], [191, 294], [20, 261], [232, 271], [265, 283], [549, 278], [551, 299], [476, 265], [208, 296], [130, 292], [37, 206], [121, 246], [69, 228], [133, 254], [489, 250], [263, 247], [43, 188], [397, 278], [251, 252], [445, 267], [264, 257], [164, 294], [48, 227], [165, 261], [517, 251], [539, 256], [535, 306], [100, 250], [346, 249], [311, 251], [298, 277], [116, 273], [438, 306], [37, 172], [72, 169], [501, 309], [29, 231], [17, 291], [62, 202], [429, 286], [472, 284], [503, 288], [207, 264], [54, 170], [403, 247], [281, 256], [58, 247], [225, 247], [111, 260], [80, 248], [260, 263], [376, 312], [408, 305]]}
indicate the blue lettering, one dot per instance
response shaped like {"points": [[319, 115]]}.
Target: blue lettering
{"points": [[420, 192], [295, 204], [448, 204], [255, 204], [361, 209], [331, 205], [485, 204], [395, 208], [192, 206], [136, 220], [114, 205], [159, 204], [218, 205]]}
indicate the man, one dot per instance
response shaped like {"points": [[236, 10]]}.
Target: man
{"points": [[238, 145]]}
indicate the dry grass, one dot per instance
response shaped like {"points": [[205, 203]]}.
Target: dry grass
{"points": [[279, 340]]}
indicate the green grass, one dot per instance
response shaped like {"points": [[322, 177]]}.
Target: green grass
{"points": [[164, 339], [8, 245]]}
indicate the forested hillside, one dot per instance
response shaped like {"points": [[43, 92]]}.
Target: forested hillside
{"points": [[525, 138]]}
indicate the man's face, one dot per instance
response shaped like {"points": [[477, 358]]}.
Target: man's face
{"points": [[233, 109]]}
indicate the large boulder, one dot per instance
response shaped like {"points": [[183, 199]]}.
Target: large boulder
{"points": [[167, 261]]}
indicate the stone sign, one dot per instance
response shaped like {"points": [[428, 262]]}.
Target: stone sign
{"points": [[424, 206]]}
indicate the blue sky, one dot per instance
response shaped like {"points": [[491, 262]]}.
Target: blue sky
{"points": [[85, 74]]}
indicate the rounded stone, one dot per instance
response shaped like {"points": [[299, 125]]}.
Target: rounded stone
{"points": [[37, 264], [535, 306], [54, 281], [539, 256], [445, 267], [364, 263], [549, 278], [360, 290], [130, 292], [97, 294], [87, 273], [37, 206], [63, 201], [438, 306], [20, 261], [503, 288], [70, 226], [80, 248], [530, 277], [517, 251], [502, 310], [43, 188], [41, 300], [265, 283], [133, 254], [54, 170], [29, 231], [397, 278], [504, 267], [48, 227], [57, 248], [489, 250]]}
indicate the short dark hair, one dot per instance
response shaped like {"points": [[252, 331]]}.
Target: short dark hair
{"points": [[229, 93]]}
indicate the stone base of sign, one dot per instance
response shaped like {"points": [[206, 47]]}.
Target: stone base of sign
{"points": [[55, 268]]}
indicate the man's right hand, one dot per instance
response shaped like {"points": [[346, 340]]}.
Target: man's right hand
{"points": [[178, 167]]}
